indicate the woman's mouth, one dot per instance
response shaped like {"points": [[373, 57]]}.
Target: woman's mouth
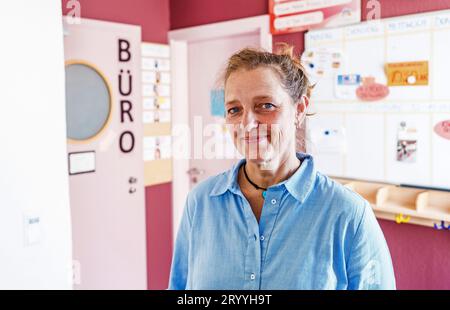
{"points": [[256, 139]]}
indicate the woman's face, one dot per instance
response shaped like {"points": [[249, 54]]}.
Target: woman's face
{"points": [[260, 114]]}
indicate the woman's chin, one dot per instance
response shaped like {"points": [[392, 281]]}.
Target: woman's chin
{"points": [[258, 157]]}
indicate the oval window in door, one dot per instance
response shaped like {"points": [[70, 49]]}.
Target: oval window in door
{"points": [[88, 101]]}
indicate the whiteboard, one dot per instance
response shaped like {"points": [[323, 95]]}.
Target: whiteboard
{"points": [[392, 139]]}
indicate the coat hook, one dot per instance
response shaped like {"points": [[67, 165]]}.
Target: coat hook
{"points": [[399, 218], [442, 226]]}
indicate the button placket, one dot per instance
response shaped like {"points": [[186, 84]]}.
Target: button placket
{"points": [[252, 262], [271, 209]]}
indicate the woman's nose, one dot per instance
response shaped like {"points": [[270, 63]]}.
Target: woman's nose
{"points": [[249, 121]]}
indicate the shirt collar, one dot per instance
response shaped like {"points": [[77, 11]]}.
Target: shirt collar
{"points": [[299, 185]]}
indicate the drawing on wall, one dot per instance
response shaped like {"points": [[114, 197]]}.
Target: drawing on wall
{"points": [[371, 90], [406, 143], [407, 73], [442, 129]]}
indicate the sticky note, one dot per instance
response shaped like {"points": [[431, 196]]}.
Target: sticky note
{"points": [[411, 73]]}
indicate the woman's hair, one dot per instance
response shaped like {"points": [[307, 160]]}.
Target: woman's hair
{"points": [[288, 67]]}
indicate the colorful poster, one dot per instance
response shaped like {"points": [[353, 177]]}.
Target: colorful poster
{"points": [[288, 16]]}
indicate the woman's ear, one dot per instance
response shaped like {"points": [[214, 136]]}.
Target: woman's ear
{"points": [[302, 106]]}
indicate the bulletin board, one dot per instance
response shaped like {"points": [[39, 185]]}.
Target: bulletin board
{"points": [[382, 100]]}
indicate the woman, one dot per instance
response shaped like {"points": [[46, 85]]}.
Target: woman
{"points": [[273, 221]]}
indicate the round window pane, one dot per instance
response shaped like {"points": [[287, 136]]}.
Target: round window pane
{"points": [[88, 102]]}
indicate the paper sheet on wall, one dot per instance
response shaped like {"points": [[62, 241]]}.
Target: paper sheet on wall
{"points": [[156, 148], [217, 101], [325, 140], [407, 73], [322, 62], [346, 85]]}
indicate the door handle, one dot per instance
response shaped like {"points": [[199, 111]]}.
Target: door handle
{"points": [[194, 173]]}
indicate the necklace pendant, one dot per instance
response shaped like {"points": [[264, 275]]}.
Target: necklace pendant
{"points": [[264, 194]]}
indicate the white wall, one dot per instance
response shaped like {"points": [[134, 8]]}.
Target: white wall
{"points": [[33, 164]]}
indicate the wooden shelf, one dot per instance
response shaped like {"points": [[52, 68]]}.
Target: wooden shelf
{"points": [[403, 204]]}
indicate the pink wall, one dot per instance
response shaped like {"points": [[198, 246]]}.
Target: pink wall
{"points": [[420, 254], [153, 17], [187, 13], [159, 232]]}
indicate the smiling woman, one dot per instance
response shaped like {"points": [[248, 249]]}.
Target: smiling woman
{"points": [[273, 221]]}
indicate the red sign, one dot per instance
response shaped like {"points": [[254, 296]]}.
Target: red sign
{"points": [[443, 129], [293, 16], [371, 91]]}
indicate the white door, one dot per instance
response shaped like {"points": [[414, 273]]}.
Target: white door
{"points": [[199, 57], [103, 87]]}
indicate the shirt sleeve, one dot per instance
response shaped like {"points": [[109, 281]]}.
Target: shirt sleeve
{"points": [[179, 270], [370, 265]]}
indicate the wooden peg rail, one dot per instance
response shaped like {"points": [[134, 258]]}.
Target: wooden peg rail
{"points": [[404, 204]]}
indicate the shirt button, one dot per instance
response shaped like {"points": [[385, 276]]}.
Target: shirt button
{"points": [[273, 201], [252, 276], [262, 238]]}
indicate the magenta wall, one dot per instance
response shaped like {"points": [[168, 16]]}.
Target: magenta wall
{"points": [[187, 13], [159, 234], [153, 17], [420, 254]]}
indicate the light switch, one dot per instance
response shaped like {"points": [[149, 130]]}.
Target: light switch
{"points": [[32, 229]]}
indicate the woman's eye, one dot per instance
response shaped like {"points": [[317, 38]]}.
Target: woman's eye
{"points": [[268, 106], [232, 111]]}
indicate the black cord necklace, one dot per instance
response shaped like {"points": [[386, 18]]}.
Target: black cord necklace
{"points": [[254, 185]]}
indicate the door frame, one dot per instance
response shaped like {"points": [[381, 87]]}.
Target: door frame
{"points": [[179, 40]]}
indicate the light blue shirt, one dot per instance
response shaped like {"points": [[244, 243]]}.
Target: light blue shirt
{"points": [[313, 234]]}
